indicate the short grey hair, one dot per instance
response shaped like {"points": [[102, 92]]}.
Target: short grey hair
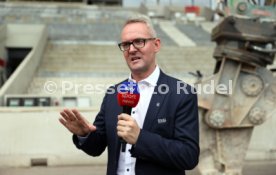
{"points": [[139, 18]]}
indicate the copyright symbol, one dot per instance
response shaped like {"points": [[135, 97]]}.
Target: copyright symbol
{"points": [[50, 87]]}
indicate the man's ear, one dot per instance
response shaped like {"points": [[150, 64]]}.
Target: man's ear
{"points": [[157, 44]]}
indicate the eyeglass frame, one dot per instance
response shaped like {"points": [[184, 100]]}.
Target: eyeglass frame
{"points": [[132, 43]]}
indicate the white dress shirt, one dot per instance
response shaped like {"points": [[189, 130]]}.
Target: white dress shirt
{"points": [[126, 165]]}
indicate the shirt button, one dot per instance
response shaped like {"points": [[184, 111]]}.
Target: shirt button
{"points": [[127, 169], [133, 112]]}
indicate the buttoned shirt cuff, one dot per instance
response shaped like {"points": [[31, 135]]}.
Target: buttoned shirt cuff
{"points": [[82, 139]]}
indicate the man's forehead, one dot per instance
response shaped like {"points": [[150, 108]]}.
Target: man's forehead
{"points": [[131, 30], [136, 26], [134, 32]]}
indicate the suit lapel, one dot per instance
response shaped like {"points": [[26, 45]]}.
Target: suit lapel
{"points": [[156, 101], [118, 110]]}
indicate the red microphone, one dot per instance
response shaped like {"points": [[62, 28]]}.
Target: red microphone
{"points": [[128, 97]]}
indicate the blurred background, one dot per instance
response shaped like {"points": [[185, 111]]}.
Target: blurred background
{"points": [[64, 54]]}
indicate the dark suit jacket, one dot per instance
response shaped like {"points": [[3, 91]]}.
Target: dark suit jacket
{"points": [[168, 143]]}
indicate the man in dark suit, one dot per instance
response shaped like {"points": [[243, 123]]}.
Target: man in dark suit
{"points": [[162, 133]]}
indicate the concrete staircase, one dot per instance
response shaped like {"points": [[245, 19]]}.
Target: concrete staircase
{"points": [[82, 58], [88, 70]]}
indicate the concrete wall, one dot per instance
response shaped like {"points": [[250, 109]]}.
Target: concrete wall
{"points": [[263, 141], [35, 133], [22, 35], [3, 31], [34, 36]]}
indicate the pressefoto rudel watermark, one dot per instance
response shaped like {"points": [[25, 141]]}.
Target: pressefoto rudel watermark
{"points": [[73, 88], [208, 88]]}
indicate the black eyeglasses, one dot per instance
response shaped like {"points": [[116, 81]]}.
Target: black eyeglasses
{"points": [[137, 43]]}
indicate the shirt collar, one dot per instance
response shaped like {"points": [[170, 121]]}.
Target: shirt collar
{"points": [[151, 79]]}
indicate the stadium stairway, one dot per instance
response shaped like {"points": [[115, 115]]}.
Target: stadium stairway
{"points": [[87, 69]]}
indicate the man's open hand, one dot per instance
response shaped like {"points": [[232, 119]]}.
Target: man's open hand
{"points": [[75, 122]]}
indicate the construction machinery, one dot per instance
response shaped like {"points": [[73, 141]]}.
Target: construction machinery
{"points": [[244, 88]]}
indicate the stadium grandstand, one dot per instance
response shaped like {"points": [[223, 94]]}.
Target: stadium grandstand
{"points": [[64, 54]]}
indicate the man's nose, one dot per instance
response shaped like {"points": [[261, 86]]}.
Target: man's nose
{"points": [[132, 48]]}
